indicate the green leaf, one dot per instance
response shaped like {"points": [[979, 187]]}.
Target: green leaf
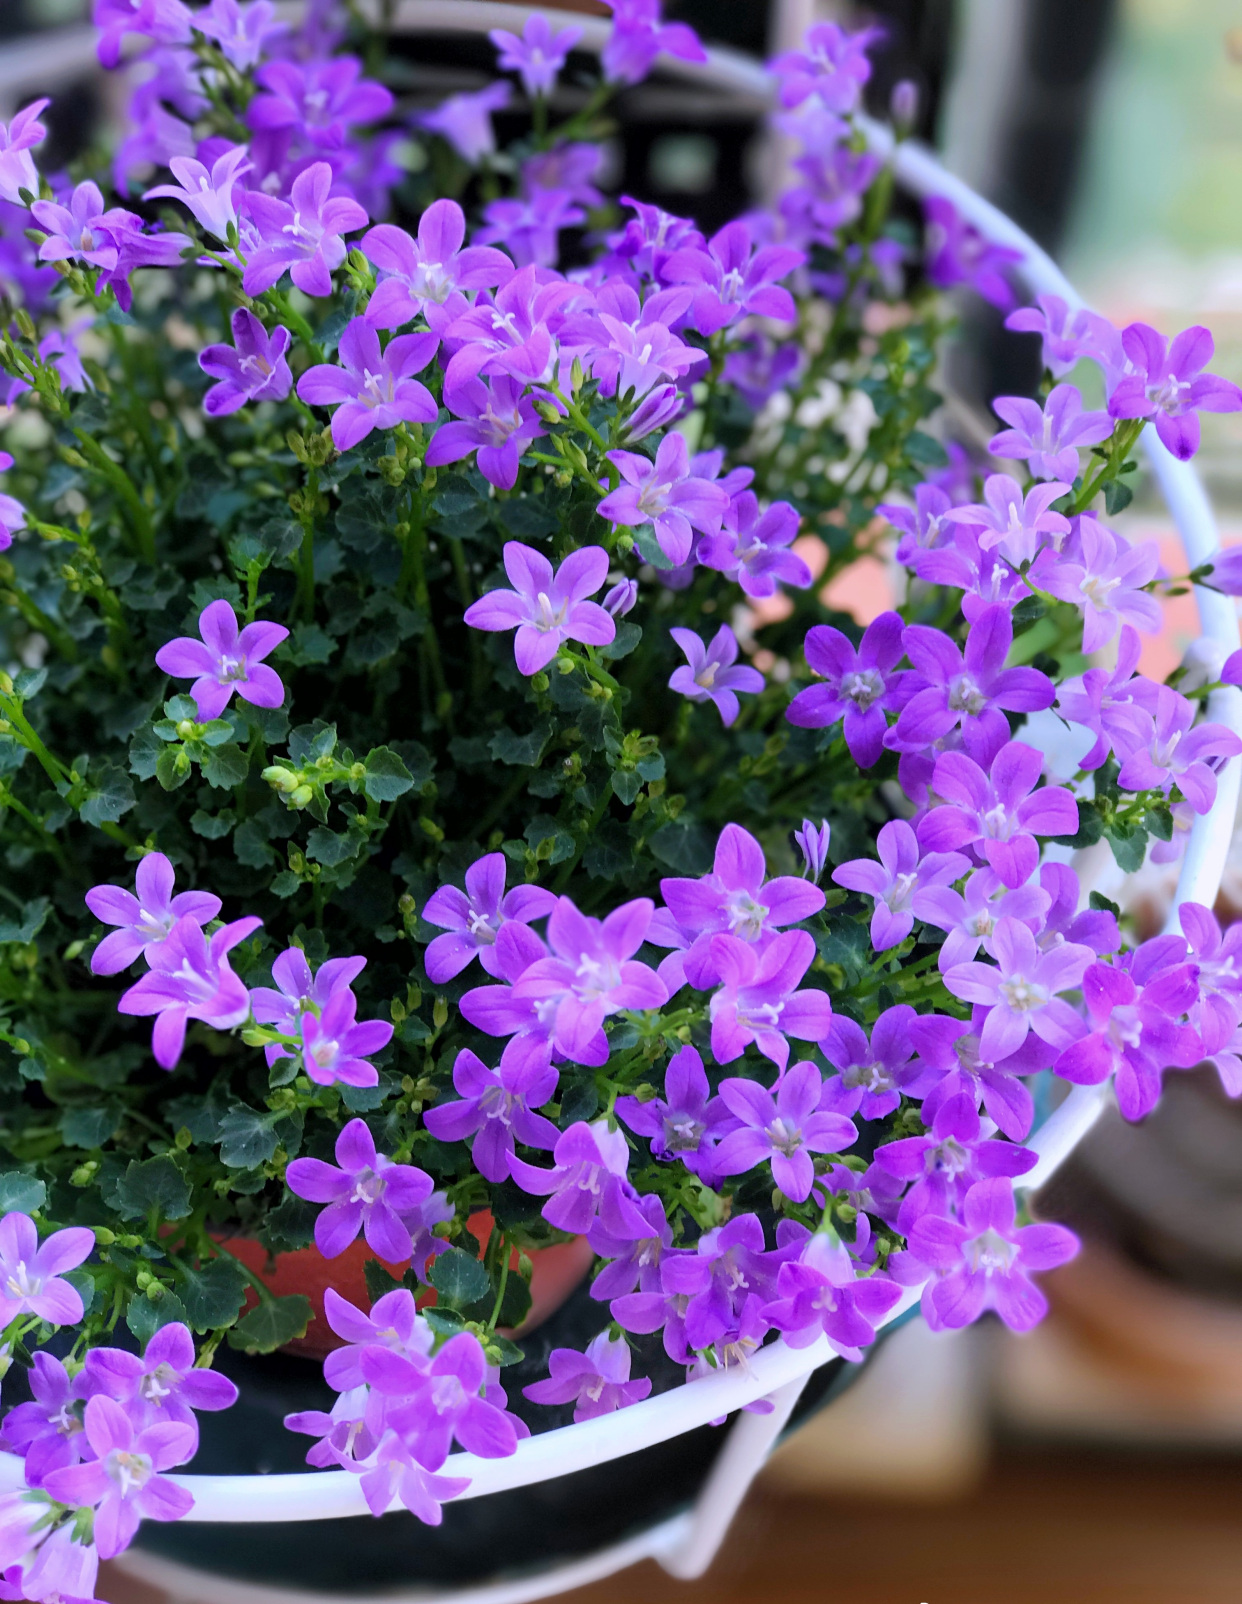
{"points": [[212, 826], [145, 751], [309, 742], [528, 517], [459, 1279], [272, 1324], [1129, 848], [521, 751], [290, 1225], [926, 451], [510, 1353], [29, 683], [225, 766], [145, 1318], [684, 846], [846, 944], [378, 1280], [579, 1102], [246, 1138], [111, 795], [34, 917], [89, 1127], [251, 846], [387, 776], [285, 884], [515, 1305], [445, 1321], [153, 1184], [650, 549], [626, 785], [23, 1193], [213, 1295], [1100, 903], [309, 645], [1117, 496], [329, 848], [167, 771], [626, 639]]}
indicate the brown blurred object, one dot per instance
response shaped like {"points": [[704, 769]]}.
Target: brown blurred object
{"points": [[1233, 45], [1084, 1528]]}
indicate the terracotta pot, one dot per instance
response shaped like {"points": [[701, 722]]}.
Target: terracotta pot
{"points": [[557, 1270]]}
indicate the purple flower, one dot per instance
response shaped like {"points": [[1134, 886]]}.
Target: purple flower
{"points": [[893, 881], [84, 230], [588, 1180], [529, 227], [627, 345], [391, 1471], [758, 1000], [985, 1262], [753, 547], [394, 1323], [1067, 336], [1021, 990], [861, 684], [784, 1129], [430, 1404], [709, 674], [253, 368], [635, 1260], [372, 389], [1105, 701], [498, 421], [957, 253], [474, 917], [123, 1482], [17, 168], [757, 368], [496, 1010], [510, 332], [969, 917], [1164, 751], [303, 236], [685, 1122], [980, 571], [498, 1104], [835, 179], [1104, 579], [144, 920], [622, 598], [667, 495], [538, 56], [1020, 526], [546, 608], [1000, 809], [949, 1052], [431, 272], [820, 1293], [47, 1431], [320, 100], [163, 1385], [1166, 382], [465, 121], [571, 167], [946, 1162], [297, 992], [732, 280], [43, 1559], [1047, 438], [590, 975], [595, 1382], [812, 843], [735, 899], [367, 1193], [242, 32], [1218, 962], [727, 1267], [207, 194], [832, 66], [166, 22], [335, 1047], [224, 661], [1133, 1035], [923, 527], [648, 238], [967, 688], [871, 1075], [638, 37], [189, 979]]}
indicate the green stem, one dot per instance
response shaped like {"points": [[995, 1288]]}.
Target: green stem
{"points": [[504, 1282], [141, 518]]}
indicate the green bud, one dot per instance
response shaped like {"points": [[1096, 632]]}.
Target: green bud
{"points": [[281, 778], [396, 1011], [358, 772], [302, 797], [297, 445], [439, 1013], [540, 683], [73, 950], [183, 1139], [407, 905], [104, 1236]]}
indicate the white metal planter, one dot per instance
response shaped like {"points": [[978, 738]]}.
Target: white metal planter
{"points": [[686, 1544]]}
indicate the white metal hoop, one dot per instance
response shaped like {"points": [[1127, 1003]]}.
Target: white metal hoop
{"points": [[686, 1544]]}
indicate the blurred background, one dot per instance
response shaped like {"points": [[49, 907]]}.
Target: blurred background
{"points": [[1100, 1458]]}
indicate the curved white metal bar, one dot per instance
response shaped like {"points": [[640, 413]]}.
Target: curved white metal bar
{"points": [[335, 1494]]}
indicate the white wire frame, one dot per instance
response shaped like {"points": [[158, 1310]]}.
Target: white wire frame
{"points": [[686, 1544]]}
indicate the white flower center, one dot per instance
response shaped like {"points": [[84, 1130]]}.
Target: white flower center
{"points": [[547, 618], [965, 695], [784, 1138], [746, 916], [862, 686], [1023, 996], [129, 1470], [990, 1251]]}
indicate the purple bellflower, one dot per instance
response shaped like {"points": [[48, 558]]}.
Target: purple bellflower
{"points": [[319, 100], [860, 685], [303, 236], [207, 193], [465, 121], [42, 1559], [639, 36], [957, 253], [634, 1261], [546, 608], [950, 1054], [968, 917], [494, 419], [812, 842], [1105, 701], [17, 168], [753, 547], [595, 1382], [164, 1384], [46, 1431], [473, 917], [622, 598], [372, 389], [922, 527], [871, 1076], [1018, 525], [364, 1191], [902, 871], [1166, 382], [667, 495], [685, 1122], [145, 919], [999, 809], [833, 65], [496, 1107], [985, 1261], [433, 1403], [253, 368], [32, 1273], [431, 273], [536, 55], [1218, 962], [512, 331], [758, 1000], [190, 978], [224, 661], [945, 1163], [728, 1266], [782, 1128], [1047, 439], [241, 31], [1068, 336], [731, 279], [709, 673], [1104, 579], [1021, 990], [819, 1293], [297, 991], [588, 1180], [335, 1047], [1165, 751]]}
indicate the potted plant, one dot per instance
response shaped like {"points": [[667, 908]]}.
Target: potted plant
{"points": [[422, 709]]}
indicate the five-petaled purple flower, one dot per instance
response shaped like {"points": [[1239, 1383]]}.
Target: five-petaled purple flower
{"points": [[303, 236], [253, 368], [320, 100], [497, 1104], [32, 1273], [335, 1047], [753, 547], [297, 990], [144, 919], [207, 193], [758, 1000], [945, 1163], [667, 495], [1021, 990], [1166, 382], [429, 274], [957, 253], [465, 121], [586, 1182], [595, 1382], [224, 661], [17, 168], [372, 389], [1104, 579], [812, 842], [1047, 438], [473, 917], [730, 279], [871, 1075], [1165, 751], [190, 978], [546, 608], [494, 419], [684, 1123], [820, 1292], [367, 1193], [638, 36], [711, 673], [1017, 525], [783, 1129], [860, 684], [537, 54], [164, 1384], [894, 880]]}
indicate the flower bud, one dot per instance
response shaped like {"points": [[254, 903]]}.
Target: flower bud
{"points": [[621, 598], [903, 106]]}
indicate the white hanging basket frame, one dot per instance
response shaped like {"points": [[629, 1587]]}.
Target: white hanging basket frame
{"points": [[685, 1544]]}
